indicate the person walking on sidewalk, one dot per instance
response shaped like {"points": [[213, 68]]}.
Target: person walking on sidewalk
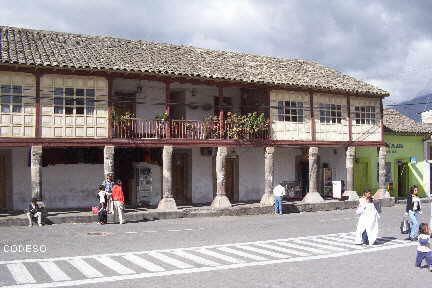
{"points": [[413, 210], [118, 199], [34, 212], [424, 249], [278, 193]]}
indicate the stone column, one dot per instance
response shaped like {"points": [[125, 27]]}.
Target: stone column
{"points": [[109, 160], [167, 202], [382, 191], [221, 200], [36, 172], [267, 198], [349, 185], [313, 195]]}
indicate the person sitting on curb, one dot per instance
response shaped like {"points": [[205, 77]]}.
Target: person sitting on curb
{"points": [[118, 199], [34, 211]]}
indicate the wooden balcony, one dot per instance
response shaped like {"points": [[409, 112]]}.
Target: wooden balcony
{"points": [[140, 128]]}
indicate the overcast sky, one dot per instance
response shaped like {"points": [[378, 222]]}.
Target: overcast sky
{"points": [[385, 43]]}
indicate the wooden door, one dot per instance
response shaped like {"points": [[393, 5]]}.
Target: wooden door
{"points": [[402, 178], [178, 108], [179, 178], [3, 184], [230, 178]]}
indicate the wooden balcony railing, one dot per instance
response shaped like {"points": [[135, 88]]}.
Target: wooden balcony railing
{"points": [[139, 128]]}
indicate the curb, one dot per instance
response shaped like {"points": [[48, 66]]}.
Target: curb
{"points": [[144, 216]]}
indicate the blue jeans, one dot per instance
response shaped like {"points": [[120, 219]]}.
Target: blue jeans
{"points": [[414, 223], [365, 238], [423, 255], [278, 204]]}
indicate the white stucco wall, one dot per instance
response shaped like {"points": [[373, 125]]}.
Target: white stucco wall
{"points": [[202, 181], [71, 185], [63, 186], [150, 100], [21, 178], [335, 158], [284, 164], [251, 173]]}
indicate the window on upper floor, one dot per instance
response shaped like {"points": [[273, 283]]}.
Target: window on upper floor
{"points": [[291, 111], [364, 115], [11, 98], [74, 101], [330, 113]]}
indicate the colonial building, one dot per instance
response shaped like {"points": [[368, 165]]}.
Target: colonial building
{"points": [[175, 123]]}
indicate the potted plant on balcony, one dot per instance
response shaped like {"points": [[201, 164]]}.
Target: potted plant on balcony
{"points": [[245, 126], [211, 127], [162, 124], [122, 122]]}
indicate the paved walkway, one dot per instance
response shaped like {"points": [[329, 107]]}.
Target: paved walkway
{"points": [[17, 218]]}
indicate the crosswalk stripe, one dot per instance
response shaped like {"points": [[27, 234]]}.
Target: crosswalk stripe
{"points": [[220, 256], [170, 260], [313, 250], [20, 273], [310, 243], [344, 240], [262, 251], [144, 263], [283, 250], [332, 241], [242, 254], [114, 265], [87, 270], [195, 258], [54, 272]]}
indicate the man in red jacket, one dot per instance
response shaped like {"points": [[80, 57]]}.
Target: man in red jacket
{"points": [[118, 199]]}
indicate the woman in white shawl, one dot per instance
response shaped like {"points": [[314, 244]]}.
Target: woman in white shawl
{"points": [[367, 226]]}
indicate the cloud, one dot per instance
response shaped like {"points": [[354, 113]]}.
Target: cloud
{"points": [[385, 43]]}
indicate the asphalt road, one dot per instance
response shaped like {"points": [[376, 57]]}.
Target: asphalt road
{"points": [[293, 250]]}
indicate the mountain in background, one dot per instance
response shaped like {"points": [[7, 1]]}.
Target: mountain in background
{"points": [[412, 108]]}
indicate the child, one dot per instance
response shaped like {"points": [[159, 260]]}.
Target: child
{"points": [[102, 205], [423, 248]]}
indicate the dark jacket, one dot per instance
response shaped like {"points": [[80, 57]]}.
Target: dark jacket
{"points": [[410, 204], [33, 210]]}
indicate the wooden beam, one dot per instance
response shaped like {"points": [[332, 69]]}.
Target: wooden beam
{"points": [[349, 119], [312, 116], [268, 96], [221, 112], [90, 142], [168, 108], [110, 106], [382, 119], [38, 119]]}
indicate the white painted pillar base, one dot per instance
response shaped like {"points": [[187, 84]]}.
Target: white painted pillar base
{"points": [[313, 197], [167, 204], [221, 202], [267, 199], [381, 194], [352, 195]]}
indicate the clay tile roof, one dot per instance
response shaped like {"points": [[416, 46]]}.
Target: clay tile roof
{"points": [[76, 51], [394, 121]]}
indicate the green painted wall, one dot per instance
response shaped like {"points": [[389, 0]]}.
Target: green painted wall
{"points": [[401, 148]]}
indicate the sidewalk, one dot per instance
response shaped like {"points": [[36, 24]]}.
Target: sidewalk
{"points": [[17, 218]]}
